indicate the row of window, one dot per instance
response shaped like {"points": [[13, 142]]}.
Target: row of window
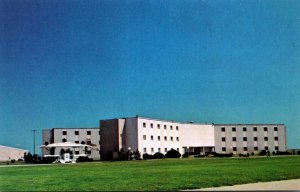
{"points": [[246, 148], [158, 126], [158, 138], [158, 150], [245, 129], [87, 152], [254, 138], [77, 132], [82, 142]]}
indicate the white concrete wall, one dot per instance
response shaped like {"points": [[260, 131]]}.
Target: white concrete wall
{"points": [[154, 145], [9, 153], [198, 135]]}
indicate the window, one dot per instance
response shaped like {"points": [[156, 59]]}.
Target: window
{"points": [[46, 143], [244, 128], [223, 149], [88, 152], [244, 138], [64, 140], [265, 128], [265, 138], [144, 125], [245, 148], [254, 128], [233, 138], [76, 152], [233, 129], [171, 138], [255, 138], [177, 149], [151, 125], [88, 142], [158, 138], [144, 137], [165, 138], [158, 150], [82, 142], [255, 148], [64, 132], [276, 138], [275, 129], [88, 132], [234, 148], [77, 142], [151, 137], [266, 148], [223, 138], [76, 132], [145, 150], [165, 126], [152, 150], [171, 127], [166, 150], [223, 129], [177, 138], [158, 126], [276, 148], [176, 128]]}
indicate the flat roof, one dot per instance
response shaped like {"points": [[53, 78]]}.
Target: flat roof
{"points": [[74, 128], [196, 123], [251, 124], [14, 148]]}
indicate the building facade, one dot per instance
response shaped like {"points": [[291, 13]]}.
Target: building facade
{"points": [[88, 136], [10, 153], [152, 135], [248, 138]]}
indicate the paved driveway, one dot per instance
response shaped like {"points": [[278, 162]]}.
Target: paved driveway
{"points": [[285, 185]]}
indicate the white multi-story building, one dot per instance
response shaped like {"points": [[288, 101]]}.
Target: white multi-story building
{"points": [[88, 136], [152, 135]]}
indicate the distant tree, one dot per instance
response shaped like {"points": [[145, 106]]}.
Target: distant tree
{"points": [[137, 155], [28, 158]]}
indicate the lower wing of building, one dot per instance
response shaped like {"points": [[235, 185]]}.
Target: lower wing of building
{"points": [[152, 135]]}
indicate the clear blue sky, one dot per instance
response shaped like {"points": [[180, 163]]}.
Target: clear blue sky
{"points": [[71, 63]]}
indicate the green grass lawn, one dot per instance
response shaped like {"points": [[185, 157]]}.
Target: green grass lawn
{"points": [[167, 174]]}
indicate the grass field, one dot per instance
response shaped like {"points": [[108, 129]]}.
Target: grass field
{"points": [[167, 174]]}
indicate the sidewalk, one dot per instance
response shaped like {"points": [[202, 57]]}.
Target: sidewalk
{"points": [[285, 185]]}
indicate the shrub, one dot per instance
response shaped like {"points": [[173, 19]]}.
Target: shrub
{"points": [[185, 155], [283, 153], [84, 159], [223, 154], [13, 161], [298, 152], [263, 152], [147, 156], [158, 155], [48, 159], [252, 154], [173, 154], [137, 155]]}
